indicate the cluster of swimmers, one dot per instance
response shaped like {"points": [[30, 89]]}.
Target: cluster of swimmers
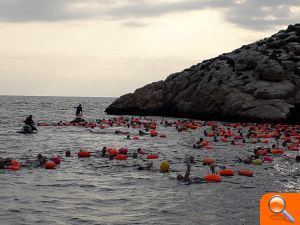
{"points": [[235, 134]]}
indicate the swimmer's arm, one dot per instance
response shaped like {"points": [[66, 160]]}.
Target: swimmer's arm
{"points": [[188, 170]]}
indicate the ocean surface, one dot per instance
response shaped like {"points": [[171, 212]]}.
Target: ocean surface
{"points": [[97, 190]]}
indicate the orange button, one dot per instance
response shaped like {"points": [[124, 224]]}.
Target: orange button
{"points": [[280, 208]]}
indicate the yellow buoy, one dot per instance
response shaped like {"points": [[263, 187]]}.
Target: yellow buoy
{"points": [[164, 166], [257, 161]]}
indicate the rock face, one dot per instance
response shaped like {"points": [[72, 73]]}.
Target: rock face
{"points": [[259, 81]]}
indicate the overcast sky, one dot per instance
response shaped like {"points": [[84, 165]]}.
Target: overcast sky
{"points": [[112, 47]]}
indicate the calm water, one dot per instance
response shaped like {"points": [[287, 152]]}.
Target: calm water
{"points": [[100, 191]]}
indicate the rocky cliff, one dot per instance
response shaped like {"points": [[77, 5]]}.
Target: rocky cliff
{"points": [[259, 81]]}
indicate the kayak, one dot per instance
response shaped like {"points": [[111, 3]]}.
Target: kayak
{"points": [[28, 129], [26, 132]]}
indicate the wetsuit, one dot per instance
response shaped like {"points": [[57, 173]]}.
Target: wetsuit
{"points": [[78, 110], [30, 122]]}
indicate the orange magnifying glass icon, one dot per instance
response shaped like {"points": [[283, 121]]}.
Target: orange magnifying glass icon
{"points": [[277, 205]]}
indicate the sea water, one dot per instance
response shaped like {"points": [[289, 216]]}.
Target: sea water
{"points": [[97, 190]]}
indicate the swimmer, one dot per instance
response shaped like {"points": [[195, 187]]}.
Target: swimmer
{"points": [[68, 153], [146, 167], [78, 110], [118, 132], [128, 137], [4, 163], [41, 160], [192, 159], [186, 178], [141, 132], [215, 138], [284, 144], [140, 151], [245, 161], [134, 155], [212, 167], [103, 151], [200, 140]]}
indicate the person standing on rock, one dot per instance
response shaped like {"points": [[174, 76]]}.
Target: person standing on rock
{"points": [[78, 110]]}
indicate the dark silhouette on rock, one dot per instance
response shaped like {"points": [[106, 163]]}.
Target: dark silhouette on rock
{"points": [[257, 82]]}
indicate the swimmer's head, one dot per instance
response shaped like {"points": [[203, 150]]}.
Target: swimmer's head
{"points": [[68, 153], [180, 177], [134, 155], [39, 156], [192, 159]]}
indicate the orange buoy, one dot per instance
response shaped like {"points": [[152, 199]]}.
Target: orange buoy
{"points": [[84, 154], [152, 156], [262, 152], [14, 165], [265, 141], [246, 173], [135, 138], [293, 148], [213, 178], [121, 157], [204, 143], [113, 152], [226, 172], [210, 134], [208, 161], [152, 126], [224, 139], [50, 165], [13, 168], [153, 133], [277, 151]]}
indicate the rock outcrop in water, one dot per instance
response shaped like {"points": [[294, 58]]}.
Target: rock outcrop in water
{"points": [[259, 81]]}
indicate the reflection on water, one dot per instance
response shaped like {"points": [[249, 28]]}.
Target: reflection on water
{"points": [[100, 191]]}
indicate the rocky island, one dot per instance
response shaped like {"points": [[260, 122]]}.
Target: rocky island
{"points": [[257, 82]]}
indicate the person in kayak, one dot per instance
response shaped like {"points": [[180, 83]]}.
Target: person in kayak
{"points": [[78, 110], [30, 122]]}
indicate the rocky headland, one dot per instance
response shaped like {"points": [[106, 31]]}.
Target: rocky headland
{"points": [[257, 82]]}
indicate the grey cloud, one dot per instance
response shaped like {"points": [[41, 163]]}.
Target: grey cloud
{"points": [[151, 9], [250, 14], [133, 24], [32, 10]]}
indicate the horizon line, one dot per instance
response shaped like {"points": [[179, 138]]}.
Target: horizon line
{"points": [[68, 96]]}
